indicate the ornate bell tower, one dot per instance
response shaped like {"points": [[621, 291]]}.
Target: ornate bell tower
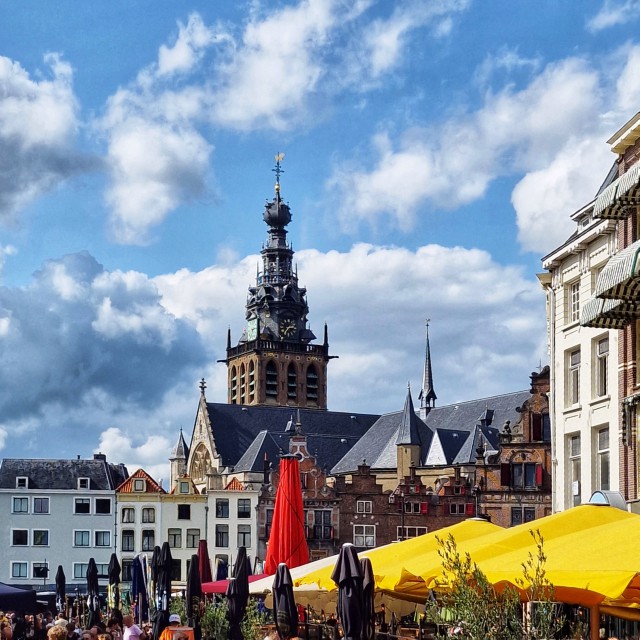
{"points": [[275, 362]]}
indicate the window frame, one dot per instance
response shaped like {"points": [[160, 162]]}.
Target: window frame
{"points": [[23, 500], [33, 537], [101, 533], [81, 532], [361, 534], [245, 512], [184, 511], [193, 538], [83, 502], [19, 563], [174, 537], [13, 537], [129, 534], [102, 500], [364, 506]]}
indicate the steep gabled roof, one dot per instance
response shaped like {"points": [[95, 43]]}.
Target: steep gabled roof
{"points": [[264, 446], [450, 435], [62, 474], [329, 433], [409, 431], [181, 449], [151, 486], [234, 485]]}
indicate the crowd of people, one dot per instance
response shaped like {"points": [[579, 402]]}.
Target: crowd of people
{"points": [[44, 626]]}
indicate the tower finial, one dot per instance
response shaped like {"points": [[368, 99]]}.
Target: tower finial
{"points": [[278, 170], [203, 386]]}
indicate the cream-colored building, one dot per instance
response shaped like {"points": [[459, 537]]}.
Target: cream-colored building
{"points": [[584, 365]]}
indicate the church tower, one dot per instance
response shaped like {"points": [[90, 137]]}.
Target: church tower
{"points": [[275, 362]]}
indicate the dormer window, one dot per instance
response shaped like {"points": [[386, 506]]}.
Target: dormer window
{"points": [[139, 485], [184, 487], [22, 482], [83, 483]]}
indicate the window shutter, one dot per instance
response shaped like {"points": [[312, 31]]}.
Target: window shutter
{"points": [[539, 475], [424, 508], [536, 426], [505, 474], [469, 509]]}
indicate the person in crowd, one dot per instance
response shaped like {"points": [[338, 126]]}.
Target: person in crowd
{"points": [[57, 632], [131, 630], [168, 632], [115, 629]]}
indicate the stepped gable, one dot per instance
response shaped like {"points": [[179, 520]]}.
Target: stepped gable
{"points": [[235, 429]]}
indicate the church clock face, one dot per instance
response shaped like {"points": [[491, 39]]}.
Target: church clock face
{"points": [[287, 328]]}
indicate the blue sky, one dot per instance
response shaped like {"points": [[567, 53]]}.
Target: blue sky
{"points": [[434, 152]]}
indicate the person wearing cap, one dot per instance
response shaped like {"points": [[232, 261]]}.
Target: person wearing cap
{"points": [[174, 623]]}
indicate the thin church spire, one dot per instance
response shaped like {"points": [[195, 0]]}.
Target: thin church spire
{"points": [[427, 395]]}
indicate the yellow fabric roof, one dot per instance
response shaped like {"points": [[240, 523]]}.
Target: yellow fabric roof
{"points": [[593, 557]]}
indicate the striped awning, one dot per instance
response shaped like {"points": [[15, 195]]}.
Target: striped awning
{"points": [[612, 203], [608, 314], [620, 278]]}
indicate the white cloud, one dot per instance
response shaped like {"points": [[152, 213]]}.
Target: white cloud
{"points": [[150, 454], [612, 13], [189, 47], [3, 438], [38, 121]]}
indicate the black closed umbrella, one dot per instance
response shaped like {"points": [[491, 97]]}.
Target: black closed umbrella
{"points": [[154, 567], [347, 574], [285, 611], [238, 594], [114, 582], [93, 598], [139, 590], [194, 596], [165, 568], [368, 607], [61, 587]]}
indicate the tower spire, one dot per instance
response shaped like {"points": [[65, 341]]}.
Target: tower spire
{"points": [[427, 395]]}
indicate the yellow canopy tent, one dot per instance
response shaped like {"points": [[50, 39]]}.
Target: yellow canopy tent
{"points": [[406, 562]]}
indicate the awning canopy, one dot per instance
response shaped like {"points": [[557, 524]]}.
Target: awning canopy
{"points": [[603, 313], [612, 203], [620, 278]]}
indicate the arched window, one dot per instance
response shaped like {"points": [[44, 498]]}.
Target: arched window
{"points": [[292, 379], [234, 386], [243, 388], [252, 382], [271, 381], [312, 385]]}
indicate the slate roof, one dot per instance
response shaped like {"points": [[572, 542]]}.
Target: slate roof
{"points": [[409, 431], [181, 450], [235, 429], [62, 474], [456, 428]]}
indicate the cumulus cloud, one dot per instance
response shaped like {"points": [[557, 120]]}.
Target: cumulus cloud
{"points": [[532, 134], [612, 13], [38, 120], [148, 454], [78, 335]]}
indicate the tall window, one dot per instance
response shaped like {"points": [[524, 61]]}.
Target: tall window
{"points": [[525, 475], [252, 382], [193, 538], [244, 535], [244, 508], [234, 386], [574, 470], [573, 302], [269, 522], [148, 515], [364, 535], [80, 570], [127, 570], [127, 540], [222, 508], [321, 528], [312, 385], [602, 470], [148, 539], [243, 385], [41, 505], [222, 535], [271, 380], [175, 538], [602, 363], [128, 515], [292, 382], [573, 377]]}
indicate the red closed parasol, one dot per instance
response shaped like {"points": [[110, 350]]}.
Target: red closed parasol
{"points": [[287, 541]]}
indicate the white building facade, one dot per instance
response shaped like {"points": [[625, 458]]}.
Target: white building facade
{"points": [[583, 401], [57, 513]]}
